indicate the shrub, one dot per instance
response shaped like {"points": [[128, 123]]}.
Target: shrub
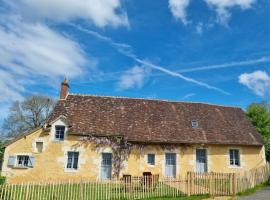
{"points": [[2, 180]]}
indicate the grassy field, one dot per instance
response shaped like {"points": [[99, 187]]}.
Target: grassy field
{"points": [[86, 191]]}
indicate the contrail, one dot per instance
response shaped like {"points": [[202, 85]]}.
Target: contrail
{"points": [[227, 65], [126, 50]]}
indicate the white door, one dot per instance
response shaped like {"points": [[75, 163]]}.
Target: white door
{"points": [[106, 166], [201, 160], [170, 165]]}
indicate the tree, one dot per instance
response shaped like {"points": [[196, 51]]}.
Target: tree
{"points": [[1, 152], [28, 114], [259, 116]]}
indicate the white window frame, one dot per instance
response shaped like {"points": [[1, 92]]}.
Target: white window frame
{"points": [[72, 163], [37, 146], [55, 132], [154, 157], [21, 166], [239, 158], [206, 159], [23, 161], [177, 166], [102, 164]]}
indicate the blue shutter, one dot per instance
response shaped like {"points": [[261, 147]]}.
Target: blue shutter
{"points": [[11, 161], [31, 162]]}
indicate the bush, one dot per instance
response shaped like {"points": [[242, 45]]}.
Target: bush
{"points": [[2, 180]]}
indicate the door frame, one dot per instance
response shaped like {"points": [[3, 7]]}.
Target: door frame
{"points": [[206, 159], [101, 159], [176, 161]]}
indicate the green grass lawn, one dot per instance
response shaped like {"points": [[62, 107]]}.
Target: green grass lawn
{"points": [[88, 191]]}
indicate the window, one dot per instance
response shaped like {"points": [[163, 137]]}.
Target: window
{"points": [[151, 159], [72, 162], [39, 147], [22, 161], [194, 124], [170, 165], [106, 166], [234, 157], [59, 132]]}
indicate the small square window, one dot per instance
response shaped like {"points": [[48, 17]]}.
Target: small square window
{"points": [[151, 159], [39, 147], [194, 124], [59, 132]]}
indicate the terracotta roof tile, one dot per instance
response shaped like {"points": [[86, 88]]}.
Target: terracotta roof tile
{"points": [[142, 120]]}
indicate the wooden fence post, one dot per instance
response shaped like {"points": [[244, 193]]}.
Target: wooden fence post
{"points": [[234, 184], [211, 183], [188, 184], [27, 190], [81, 189]]}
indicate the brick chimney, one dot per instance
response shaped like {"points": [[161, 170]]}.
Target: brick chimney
{"points": [[64, 89]]}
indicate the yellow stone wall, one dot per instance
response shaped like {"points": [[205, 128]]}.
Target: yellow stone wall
{"points": [[50, 164]]}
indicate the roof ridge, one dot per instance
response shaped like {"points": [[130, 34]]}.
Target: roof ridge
{"points": [[149, 99]]}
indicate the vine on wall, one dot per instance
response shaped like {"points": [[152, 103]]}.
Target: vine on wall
{"points": [[120, 147]]}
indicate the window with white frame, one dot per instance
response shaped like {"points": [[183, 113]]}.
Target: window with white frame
{"points": [[22, 161], [151, 159], [60, 133], [72, 161], [39, 147], [234, 157]]}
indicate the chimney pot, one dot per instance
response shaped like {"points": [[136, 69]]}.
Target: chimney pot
{"points": [[64, 89]]}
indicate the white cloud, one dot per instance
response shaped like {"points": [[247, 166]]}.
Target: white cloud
{"points": [[222, 7], [9, 87], [101, 12], [133, 78], [257, 81], [178, 9], [35, 48], [30, 53]]}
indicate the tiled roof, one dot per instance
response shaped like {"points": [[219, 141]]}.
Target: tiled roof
{"points": [[156, 121]]}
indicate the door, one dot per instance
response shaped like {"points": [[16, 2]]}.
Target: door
{"points": [[170, 165], [106, 166], [201, 160]]}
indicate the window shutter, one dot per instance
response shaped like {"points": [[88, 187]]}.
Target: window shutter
{"points": [[11, 161], [31, 161]]}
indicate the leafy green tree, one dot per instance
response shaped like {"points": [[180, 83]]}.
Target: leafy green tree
{"points": [[259, 116]]}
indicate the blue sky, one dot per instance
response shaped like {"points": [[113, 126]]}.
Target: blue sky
{"points": [[214, 51]]}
